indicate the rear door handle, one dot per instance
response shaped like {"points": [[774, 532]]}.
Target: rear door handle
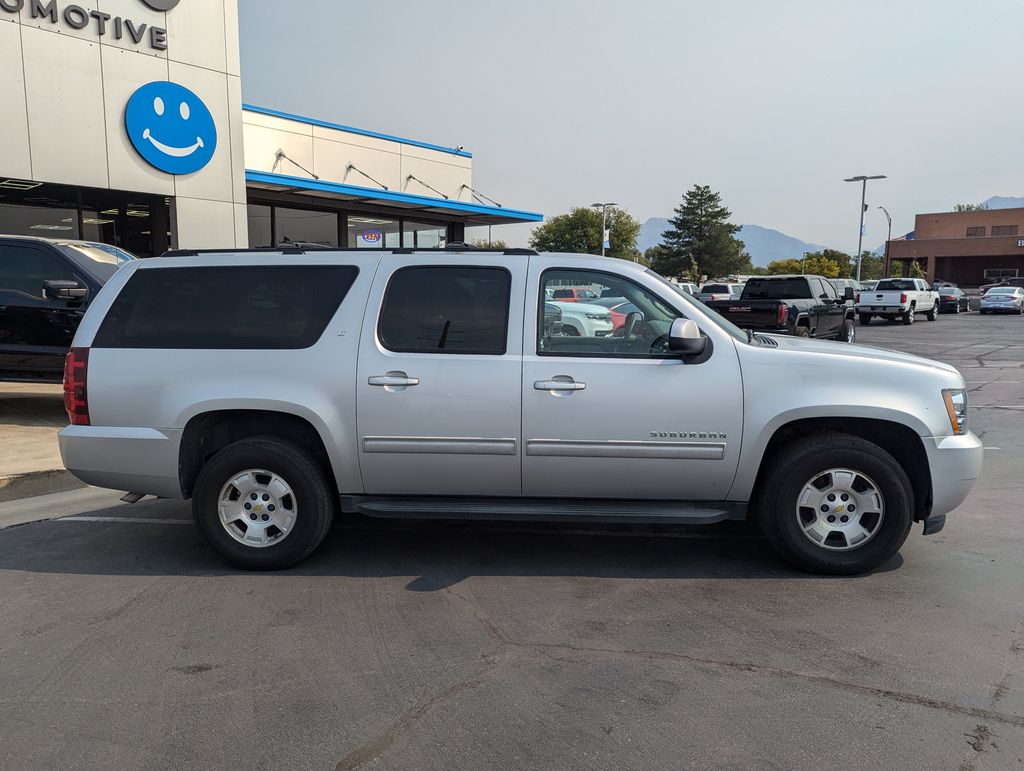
{"points": [[392, 380], [558, 385]]}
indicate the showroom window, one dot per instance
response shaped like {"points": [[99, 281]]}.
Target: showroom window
{"points": [[305, 226], [368, 232], [423, 235], [261, 232]]}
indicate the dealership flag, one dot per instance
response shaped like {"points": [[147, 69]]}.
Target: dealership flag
{"points": [[607, 238]]}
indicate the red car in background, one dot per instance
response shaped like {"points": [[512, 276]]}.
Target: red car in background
{"points": [[619, 307], [574, 294]]}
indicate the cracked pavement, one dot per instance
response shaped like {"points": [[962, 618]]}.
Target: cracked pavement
{"points": [[441, 645]]}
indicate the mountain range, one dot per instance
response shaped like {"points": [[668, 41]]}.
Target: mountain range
{"points": [[765, 244]]}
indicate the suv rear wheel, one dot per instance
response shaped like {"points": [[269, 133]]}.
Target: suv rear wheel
{"points": [[908, 317], [835, 504], [264, 503]]}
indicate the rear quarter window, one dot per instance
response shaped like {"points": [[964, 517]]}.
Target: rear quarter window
{"points": [[236, 307]]}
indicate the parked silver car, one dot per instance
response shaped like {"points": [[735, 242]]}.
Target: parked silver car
{"points": [[279, 391], [717, 291], [1003, 299]]}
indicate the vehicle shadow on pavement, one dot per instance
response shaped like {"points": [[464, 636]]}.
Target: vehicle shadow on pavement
{"points": [[435, 555]]}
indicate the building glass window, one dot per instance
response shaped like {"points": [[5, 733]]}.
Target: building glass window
{"points": [[48, 221], [975, 232], [305, 226], [260, 232], [368, 232], [423, 235], [1004, 230]]}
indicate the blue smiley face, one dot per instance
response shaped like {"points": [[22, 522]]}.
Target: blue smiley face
{"points": [[170, 127]]}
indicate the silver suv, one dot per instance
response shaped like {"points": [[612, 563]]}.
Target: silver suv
{"points": [[279, 390]]}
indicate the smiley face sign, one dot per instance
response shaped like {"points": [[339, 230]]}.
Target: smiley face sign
{"points": [[170, 127]]}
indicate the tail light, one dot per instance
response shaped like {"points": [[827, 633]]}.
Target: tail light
{"points": [[76, 401], [856, 298], [783, 314], [903, 298]]}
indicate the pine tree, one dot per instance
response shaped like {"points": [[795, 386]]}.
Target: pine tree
{"points": [[701, 231]]}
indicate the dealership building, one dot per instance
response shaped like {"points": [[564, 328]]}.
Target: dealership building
{"points": [[124, 123], [969, 248]]}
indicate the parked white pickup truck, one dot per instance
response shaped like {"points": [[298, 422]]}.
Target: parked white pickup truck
{"points": [[899, 298]]}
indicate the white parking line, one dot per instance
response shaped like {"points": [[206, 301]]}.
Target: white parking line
{"points": [[138, 520]]}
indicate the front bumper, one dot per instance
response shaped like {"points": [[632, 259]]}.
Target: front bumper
{"points": [[955, 464], [139, 460]]}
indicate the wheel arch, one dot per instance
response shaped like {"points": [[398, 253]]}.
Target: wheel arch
{"points": [[898, 439], [206, 433]]}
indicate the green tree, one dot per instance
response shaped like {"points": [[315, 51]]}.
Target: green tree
{"points": [[579, 231], [661, 261], [782, 267], [970, 207], [872, 266], [700, 231], [829, 263], [483, 243]]}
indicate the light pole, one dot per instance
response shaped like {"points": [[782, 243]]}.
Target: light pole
{"points": [[863, 193], [604, 215], [888, 238]]}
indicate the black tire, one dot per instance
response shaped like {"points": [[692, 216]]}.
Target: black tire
{"points": [[314, 495], [802, 331], [956, 308], [570, 331], [865, 318], [908, 317], [847, 332], [933, 313], [788, 472]]}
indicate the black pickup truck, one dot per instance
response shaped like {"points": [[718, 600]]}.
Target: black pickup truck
{"points": [[805, 306]]}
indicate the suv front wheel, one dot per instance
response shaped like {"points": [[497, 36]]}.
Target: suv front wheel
{"points": [[835, 504], [264, 503]]}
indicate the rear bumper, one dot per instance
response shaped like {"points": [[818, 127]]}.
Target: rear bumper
{"points": [[955, 463], [881, 309], [139, 460]]}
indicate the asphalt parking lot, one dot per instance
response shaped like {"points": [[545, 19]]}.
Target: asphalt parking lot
{"points": [[414, 645]]}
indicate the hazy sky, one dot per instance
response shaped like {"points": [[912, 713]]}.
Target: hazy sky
{"points": [[771, 102]]}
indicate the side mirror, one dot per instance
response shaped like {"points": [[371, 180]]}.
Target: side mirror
{"points": [[848, 294], [64, 290], [685, 338]]}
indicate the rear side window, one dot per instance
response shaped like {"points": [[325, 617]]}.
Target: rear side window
{"points": [[442, 309], [272, 306], [777, 289]]}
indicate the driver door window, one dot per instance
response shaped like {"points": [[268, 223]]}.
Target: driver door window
{"points": [[617, 319]]}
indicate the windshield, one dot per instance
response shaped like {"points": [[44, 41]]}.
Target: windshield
{"points": [[716, 289], [714, 318], [777, 289]]}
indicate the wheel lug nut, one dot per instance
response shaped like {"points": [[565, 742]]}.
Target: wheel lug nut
{"points": [[271, 507], [831, 496], [266, 517], [851, 508], [266, 497], [844, 518], [248, 506], [253, 496], [252, 517], [845, 497], [831, 518]]}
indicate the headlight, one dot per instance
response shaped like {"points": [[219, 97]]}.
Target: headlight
{"points": [[956, 408], [599, 316]]}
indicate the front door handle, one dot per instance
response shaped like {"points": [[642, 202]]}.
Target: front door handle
{"points": [[392, 379], [558, 385]]}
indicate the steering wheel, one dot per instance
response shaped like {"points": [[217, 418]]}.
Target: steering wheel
{"points": [[633, 320]]}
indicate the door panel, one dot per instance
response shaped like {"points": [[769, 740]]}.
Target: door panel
{"points": [[627, 427], [444, 422]]}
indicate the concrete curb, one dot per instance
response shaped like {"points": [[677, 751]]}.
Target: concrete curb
{"points": [[33, 483]]}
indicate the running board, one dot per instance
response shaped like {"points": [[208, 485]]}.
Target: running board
{"points": [[551, 510]]}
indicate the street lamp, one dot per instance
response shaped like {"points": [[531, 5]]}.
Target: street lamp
{"points": [[888, 238], [604, 215], [863, 192]]}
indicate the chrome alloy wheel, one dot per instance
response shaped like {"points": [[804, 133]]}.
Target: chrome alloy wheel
{"points": [[257, 508], [840, 509], [851, 334]]}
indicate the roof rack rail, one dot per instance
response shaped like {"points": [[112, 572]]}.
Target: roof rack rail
{"points": [[313, 249]]}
